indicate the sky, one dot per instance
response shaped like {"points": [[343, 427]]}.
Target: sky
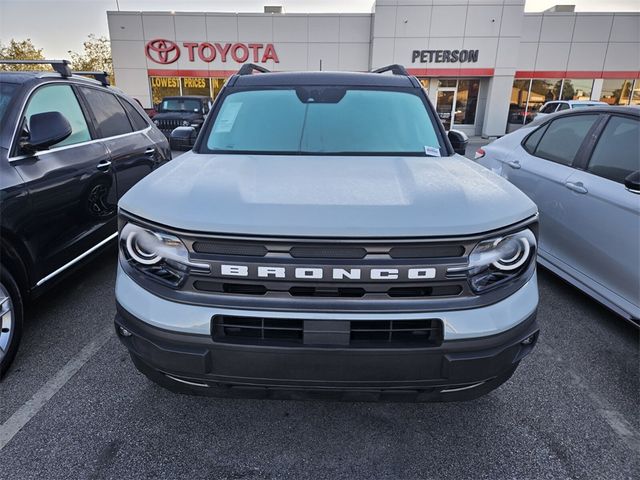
{"points": [[62, 25]]}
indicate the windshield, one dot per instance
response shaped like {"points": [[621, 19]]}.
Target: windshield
{"points": [[6, 94], [180, 105], [580, 105], [324, 120]]}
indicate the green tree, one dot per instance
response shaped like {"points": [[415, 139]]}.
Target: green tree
{"points": [[95, 57], [21, 50]]}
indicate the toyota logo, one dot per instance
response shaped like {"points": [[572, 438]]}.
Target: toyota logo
{"points": [[162, 51]]}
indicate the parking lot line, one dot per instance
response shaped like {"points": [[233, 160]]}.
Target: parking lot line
{"points": [[39, 399]]}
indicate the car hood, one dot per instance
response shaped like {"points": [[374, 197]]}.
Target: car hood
{"points": [[327, 196]]}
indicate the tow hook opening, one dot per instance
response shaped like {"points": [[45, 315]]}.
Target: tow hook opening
{"points": [[124, 332], [530, 340]]}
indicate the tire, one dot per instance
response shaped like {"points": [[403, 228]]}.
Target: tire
{"points": [[11, 315]]}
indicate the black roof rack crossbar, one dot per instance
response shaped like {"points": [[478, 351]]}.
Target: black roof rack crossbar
{"points": [[248, 68], [102, 77], [395, 69], [60, 66]]}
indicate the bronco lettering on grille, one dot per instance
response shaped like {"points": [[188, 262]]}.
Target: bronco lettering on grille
{"points": [[317, 273]]}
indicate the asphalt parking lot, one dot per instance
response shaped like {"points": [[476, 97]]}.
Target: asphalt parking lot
{"points": [[73, 406]]}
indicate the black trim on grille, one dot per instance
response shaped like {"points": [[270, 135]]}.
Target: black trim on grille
{"points": [[289, 332], [228, 248]]}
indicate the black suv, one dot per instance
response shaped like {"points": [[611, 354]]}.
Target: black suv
{"points": [[70, 147], [185, 113]]}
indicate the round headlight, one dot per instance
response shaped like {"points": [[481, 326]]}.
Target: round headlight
{"points": [[514, 252], [141, 247]]}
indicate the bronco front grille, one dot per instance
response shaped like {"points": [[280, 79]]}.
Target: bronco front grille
{"points": [[336, 333], [340, 269]]}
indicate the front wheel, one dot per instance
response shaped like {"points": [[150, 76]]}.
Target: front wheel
{"points": [[10, 320]]}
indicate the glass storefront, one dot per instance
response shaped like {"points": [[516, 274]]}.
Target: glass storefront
{"points": [[163, 87], [195, 86], [466, 102], [542, 91], [528, 95], [425, 82], [172, 86], [616, 92], [518, 103], [576, 89], [635, 96], [456, 100]]}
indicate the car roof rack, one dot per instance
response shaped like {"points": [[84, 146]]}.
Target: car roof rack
{"points": [[248, 69], [395, 69], [60, 66], [102, 77]]}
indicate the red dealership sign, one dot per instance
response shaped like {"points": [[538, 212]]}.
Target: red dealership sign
{"points": [[165, 52]]}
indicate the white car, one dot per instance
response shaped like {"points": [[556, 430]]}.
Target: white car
{"points": [[562, 105], [582, 169]]}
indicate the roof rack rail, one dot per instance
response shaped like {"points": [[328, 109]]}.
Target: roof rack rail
{"points": [[248, 68], [60, 66], [102, 77], [395, 69]]}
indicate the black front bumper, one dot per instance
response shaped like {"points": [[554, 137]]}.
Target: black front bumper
{"points": [[456, 370]]}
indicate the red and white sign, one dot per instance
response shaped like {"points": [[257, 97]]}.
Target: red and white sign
{"points": [[166, 52]]}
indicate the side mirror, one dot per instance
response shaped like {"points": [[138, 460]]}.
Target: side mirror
{"points": [[182, 138], [459, 141], [632, 182], [45, 129]]}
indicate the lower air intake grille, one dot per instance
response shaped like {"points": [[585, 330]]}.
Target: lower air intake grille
{"points": [[336, 333]]}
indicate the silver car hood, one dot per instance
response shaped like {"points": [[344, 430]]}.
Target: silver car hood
{"points": [[327, 196]]}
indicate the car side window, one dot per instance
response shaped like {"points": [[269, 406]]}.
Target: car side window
{"points": [[137, 120], [563, 137], [60, 98], [532, 140], [615, 155], [563, 106], [109, 114], [549, 108]]}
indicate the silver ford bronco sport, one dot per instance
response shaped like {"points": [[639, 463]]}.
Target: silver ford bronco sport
{"points": [[323, 238]]}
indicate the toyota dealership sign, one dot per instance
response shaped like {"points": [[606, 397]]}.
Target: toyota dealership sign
{"points": [[166, 52]]}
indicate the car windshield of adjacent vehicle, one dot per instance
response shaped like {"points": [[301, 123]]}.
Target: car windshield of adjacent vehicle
{"points": [[6, 94], [321, 120], [180, 105]]}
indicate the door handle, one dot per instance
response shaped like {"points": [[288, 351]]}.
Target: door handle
{"points": [[576, 187], [514, 164], [150, 151], [104, 165]]}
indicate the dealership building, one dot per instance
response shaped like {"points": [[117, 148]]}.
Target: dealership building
{"points": [[486, 65]]}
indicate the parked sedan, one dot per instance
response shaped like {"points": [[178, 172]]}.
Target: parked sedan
{"points": [[582, 168]]}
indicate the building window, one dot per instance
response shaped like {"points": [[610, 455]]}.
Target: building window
{"points": [[518, 104], [466, 102], [616, 92], [216, 85], [163, 87], [425, 84], [447, 83], [576, 89], [195, 86], [635, 96], [542, 91]]}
